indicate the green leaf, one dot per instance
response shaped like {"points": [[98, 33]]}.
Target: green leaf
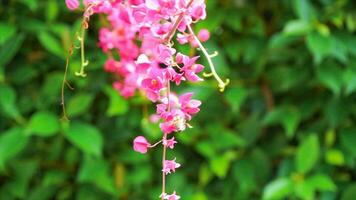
{"points": [[331, 76], [7, 101], [118, 105], [322, 182], [349, 193], [221, 164], [235, 97], [11, 143], [6, 32], [304, 190], [319, 45], [32, 4], [297, 27], [79, 104], [348, 140], [303, 9], [9, 49], [43, 124], [97, 172], [289, 118], [51, 44], [86, 137], [335, 157], [52, 10], [307, 154], [278, 189], [23, 172]]}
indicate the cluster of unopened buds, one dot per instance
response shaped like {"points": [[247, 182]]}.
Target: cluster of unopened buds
{"points": [[141, 33]]}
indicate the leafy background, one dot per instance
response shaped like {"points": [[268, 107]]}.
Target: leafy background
{"points": [[284, 129]]}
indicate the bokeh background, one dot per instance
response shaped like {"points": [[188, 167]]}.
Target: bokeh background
{"points": [[285, 128]]}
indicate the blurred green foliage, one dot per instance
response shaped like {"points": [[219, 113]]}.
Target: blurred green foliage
{"points": [[284, 129]]}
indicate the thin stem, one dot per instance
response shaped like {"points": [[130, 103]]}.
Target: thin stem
{"points": [[164, 146], [208, 56], [163, 173], [65, 82], [82, 51], [155, 144], [168, 38]]}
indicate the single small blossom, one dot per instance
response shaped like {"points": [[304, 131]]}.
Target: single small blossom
{"points": [[72, 4], [170, 166], [140, 144], [190, 68], [189, 106], [173, 196], [169, 142]]}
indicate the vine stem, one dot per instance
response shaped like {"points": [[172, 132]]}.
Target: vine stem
{"points": [[82, 50], [168, 38], [208, 56], [164, 146], [65, 82]]}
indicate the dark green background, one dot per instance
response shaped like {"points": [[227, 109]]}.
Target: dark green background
{"points": [[285, 128]]}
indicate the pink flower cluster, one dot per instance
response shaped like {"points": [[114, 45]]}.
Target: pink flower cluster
{"points": [[140, 32]]}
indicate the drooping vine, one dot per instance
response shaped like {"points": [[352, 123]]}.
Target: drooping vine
{"points": [[142, 32]]}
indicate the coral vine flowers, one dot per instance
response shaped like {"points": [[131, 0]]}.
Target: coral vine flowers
{"points": [[141, 32]]}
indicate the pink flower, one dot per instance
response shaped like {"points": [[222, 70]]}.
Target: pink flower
{"points": [[153, 84], [170, 166], [189, 106], [174, 121], [190, 68], [111, 65], [169, 143], [72, 4], [204, 35], [140, 144], [173, 196], [198, 11], [182, 39], [165, 54]]}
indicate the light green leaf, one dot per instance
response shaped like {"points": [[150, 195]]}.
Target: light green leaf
{"points": [[51, 44], [278, 189], [322, 182], [118, 105], [297, 27], [303, 9], [79, 104], [86, 137], [11, 143], [221, 164], [304, 190], [335, 157], [307, 154], [319, 45], [43, 124]]}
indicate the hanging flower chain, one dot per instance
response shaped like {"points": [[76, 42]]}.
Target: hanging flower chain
{"points": [[141, 32]]}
